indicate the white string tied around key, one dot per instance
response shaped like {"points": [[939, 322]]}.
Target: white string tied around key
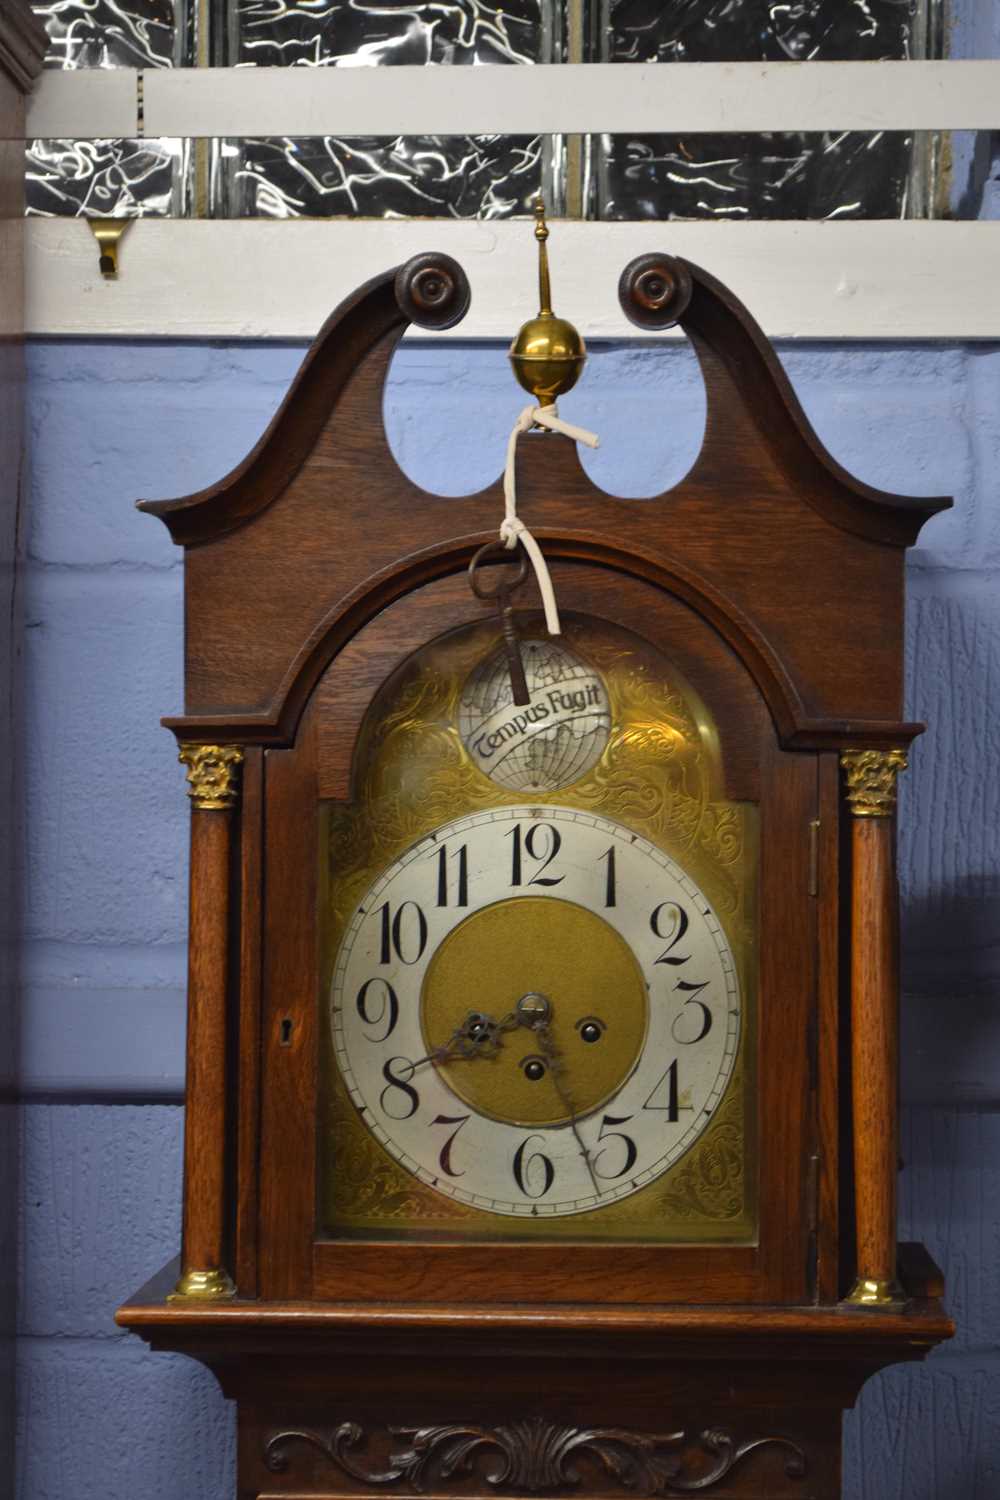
{"points": [[512, 528]]}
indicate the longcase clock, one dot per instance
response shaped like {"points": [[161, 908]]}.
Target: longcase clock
{"points": [[541, 1116]]}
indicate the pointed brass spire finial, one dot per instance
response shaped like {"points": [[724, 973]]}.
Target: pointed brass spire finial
{"points": [[544, 286], [548, 353]]}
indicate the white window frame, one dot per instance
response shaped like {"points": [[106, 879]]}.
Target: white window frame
{"points": [[845, 280]]}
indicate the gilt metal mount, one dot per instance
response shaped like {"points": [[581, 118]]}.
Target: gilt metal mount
{"points": [[871, 780], [212, 775]]}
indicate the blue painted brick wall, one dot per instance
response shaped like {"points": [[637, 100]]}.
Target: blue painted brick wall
{"points": [[105, 854]]}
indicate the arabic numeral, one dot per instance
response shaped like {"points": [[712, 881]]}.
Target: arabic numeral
{"points": [[672, 917], [444, 1159], [387, 1013], [541, 843], [631, 1149], [404, 934], [666, 1096], [610, 882], [533, 1174], [462, 876], [406, 1105], [685, 1017]]}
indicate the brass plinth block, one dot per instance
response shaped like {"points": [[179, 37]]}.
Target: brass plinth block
{"points": [[871, 780], [212, 774], [203, 1286], [870, 1292], [548, 353]]}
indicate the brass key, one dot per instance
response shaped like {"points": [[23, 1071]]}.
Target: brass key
{"points": [[497, 554]]}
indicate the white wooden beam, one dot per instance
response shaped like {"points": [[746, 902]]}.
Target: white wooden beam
{"points": [[266, 279], [84, 104], [582, 97]]}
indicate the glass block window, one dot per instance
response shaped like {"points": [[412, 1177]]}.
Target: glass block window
{"points": [[809, 176], [768, 176], [490, 177], [107, 179], [115, 33], [119, 178]]}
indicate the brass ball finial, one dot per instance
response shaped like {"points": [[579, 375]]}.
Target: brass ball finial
{"points": [[548, 353]]}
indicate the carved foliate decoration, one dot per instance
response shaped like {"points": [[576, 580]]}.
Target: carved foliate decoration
{"points": [[212, 774], [536, 1455], [871, 780]]}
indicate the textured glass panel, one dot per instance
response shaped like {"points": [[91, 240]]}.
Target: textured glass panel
{"points": [[113, 179], [490, 177], [847, 174], [108, 179], [457, 176], [115, 33]]}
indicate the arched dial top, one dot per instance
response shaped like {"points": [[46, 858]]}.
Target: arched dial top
{"points": [[535, 1011], [319, 521]]}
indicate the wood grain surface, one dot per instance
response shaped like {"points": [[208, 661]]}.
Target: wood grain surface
{"points": [[875, 1045], [206, 1121], [245, 1024]]}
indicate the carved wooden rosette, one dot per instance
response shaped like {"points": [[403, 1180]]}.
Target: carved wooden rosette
{"points": [[870, 777], [213, 788]]}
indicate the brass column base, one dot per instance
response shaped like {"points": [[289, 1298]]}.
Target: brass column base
{"points": [[203, 1286], [869, 1292]]}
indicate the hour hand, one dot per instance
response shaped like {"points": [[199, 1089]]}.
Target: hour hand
{"points": [[478, 1036]]}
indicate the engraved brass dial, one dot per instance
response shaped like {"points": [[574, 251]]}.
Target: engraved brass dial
{"points": [[422, 790], [618, 1010]]}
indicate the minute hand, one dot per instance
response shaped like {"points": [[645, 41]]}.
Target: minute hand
{"points": [[554, 1058]]}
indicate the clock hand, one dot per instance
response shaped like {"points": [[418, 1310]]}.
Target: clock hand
{"points": [[555, 1061], [478, 1036]]}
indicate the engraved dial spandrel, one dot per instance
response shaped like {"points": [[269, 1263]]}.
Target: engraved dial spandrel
{"points": [[535, 1011]]}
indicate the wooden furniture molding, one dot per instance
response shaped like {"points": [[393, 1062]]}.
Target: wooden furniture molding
{"points": [[23, 43]]}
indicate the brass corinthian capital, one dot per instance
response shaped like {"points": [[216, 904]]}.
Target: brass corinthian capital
{"points": [[212, 774], [871, 780]]}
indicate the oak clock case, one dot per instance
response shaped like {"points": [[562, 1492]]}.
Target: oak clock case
{"points": [[438, 963]]}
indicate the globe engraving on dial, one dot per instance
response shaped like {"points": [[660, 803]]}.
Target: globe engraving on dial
{"points": [[545, 744], [535, 1011]]}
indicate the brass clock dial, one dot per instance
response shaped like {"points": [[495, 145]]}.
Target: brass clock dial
{"points": [[582, 850], [536, 1011]]}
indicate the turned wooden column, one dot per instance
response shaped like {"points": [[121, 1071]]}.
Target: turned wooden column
{"points": [[871, 794], [213, 788]]}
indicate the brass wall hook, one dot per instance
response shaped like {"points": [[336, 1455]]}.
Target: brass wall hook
{"points": [[109, 234], [548, 353]]}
